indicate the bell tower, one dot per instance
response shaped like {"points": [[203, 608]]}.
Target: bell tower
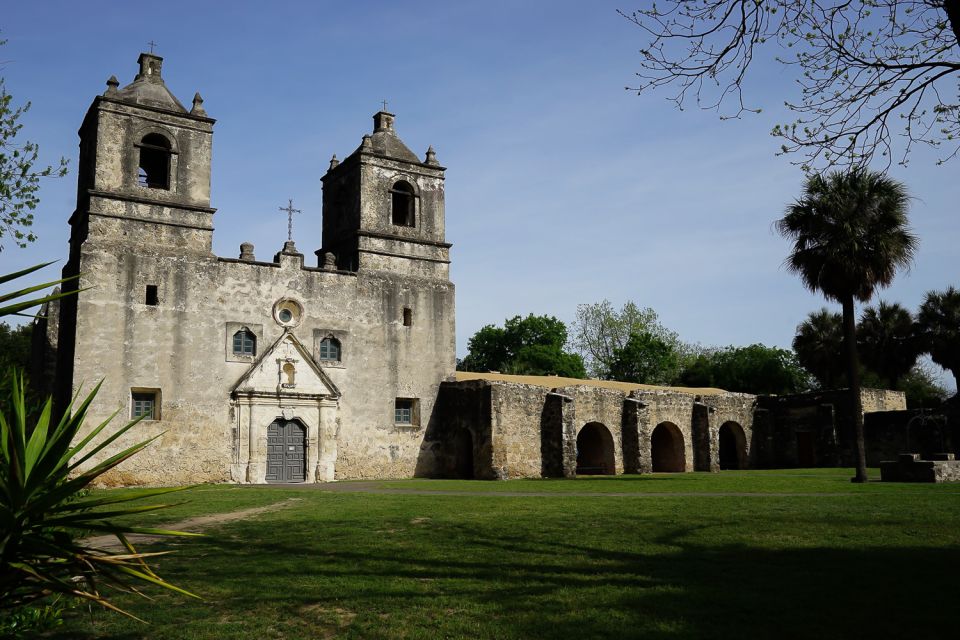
{"points": [[143, 212], [383, 207], [144, 170]]}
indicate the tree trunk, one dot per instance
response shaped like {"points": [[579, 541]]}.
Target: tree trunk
{"points": [[952, 9], [853, 383]]}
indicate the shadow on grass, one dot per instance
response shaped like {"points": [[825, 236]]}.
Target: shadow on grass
{"points": [[455, 581]]}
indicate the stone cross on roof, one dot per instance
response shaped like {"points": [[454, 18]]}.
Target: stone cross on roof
{"points": [[290, 211]]}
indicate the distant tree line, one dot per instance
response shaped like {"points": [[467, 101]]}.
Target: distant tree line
{"points": [[631, 345]]}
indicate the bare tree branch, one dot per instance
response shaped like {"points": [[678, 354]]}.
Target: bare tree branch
{"points": [[876, 77]]}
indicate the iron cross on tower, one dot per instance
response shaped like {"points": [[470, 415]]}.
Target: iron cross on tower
{"points": [[290, 211], [152, 45]]}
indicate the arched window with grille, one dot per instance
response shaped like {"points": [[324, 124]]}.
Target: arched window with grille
{"points": [[244, 343], [330, 349]]}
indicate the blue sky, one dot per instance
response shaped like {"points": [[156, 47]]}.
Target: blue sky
{"points": [[562, 187]]}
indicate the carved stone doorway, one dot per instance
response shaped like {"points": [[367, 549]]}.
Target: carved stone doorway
{"points": [[286, 451]]}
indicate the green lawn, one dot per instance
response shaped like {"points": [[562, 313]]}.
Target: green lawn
{"points": [[842, 561]]}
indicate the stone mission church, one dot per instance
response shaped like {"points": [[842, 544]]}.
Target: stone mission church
{"points": [[340, 365], [284, 369]]}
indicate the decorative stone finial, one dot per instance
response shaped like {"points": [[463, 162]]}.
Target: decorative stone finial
{"points": [[431, 156], [333, 162], [367, 142], [330, 261], [246, 251], [290, 249], [198, 109], [112, 85]]}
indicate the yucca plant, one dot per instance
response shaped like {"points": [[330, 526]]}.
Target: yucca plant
{"points": [[43, 518], [45, 512]]}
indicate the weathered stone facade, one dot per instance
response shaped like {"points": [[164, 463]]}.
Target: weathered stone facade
{"points": [[543, 426], [216, 350]]}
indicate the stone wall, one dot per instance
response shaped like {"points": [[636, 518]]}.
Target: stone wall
{"points": [[659, 407], [737, 411], [816, 429], [600, 406], [533, 428], [516, 414]]}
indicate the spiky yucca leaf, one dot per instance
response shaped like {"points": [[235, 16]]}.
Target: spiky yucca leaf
{"points": [[43, 518], [17, 307]]}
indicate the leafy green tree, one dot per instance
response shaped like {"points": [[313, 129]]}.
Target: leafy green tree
{"points": [[867, 71], [819, 347], [14, 346], [599, 331], [938, 323], [921, 387], [646, 359], [850, 236], [886, 340], [754, 369], [19, 175], [523, 346]]}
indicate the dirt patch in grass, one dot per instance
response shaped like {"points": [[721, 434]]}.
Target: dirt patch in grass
{"points": [[191, 525]]}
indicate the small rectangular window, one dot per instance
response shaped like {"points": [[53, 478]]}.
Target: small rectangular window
{"points": [[146, 404], [151, 295], [407, 412], [407, 317]]}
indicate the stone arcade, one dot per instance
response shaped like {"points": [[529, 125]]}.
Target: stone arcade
{"points": [[255, 371]]}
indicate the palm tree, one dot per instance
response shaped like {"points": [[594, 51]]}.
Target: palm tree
{"points": [[887, 342], [850, 236], [818, 342], [938, 322]]}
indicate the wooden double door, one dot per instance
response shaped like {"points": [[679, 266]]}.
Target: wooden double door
{"points": [[286, 451]]}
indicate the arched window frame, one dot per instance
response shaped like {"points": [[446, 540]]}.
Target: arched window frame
{"points": [[245, 343], [403, 204], [330, 350]]}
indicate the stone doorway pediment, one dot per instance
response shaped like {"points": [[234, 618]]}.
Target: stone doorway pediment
{"points": [[286, 368]]}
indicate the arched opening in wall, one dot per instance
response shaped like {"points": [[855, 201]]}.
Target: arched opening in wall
{"points": [[666, 448], [595, 451], [402, 209], [153, 170], [463, 454], [286, 451], [733, 446]]}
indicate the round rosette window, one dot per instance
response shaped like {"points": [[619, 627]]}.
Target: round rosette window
{"points": [[287, 312]]}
